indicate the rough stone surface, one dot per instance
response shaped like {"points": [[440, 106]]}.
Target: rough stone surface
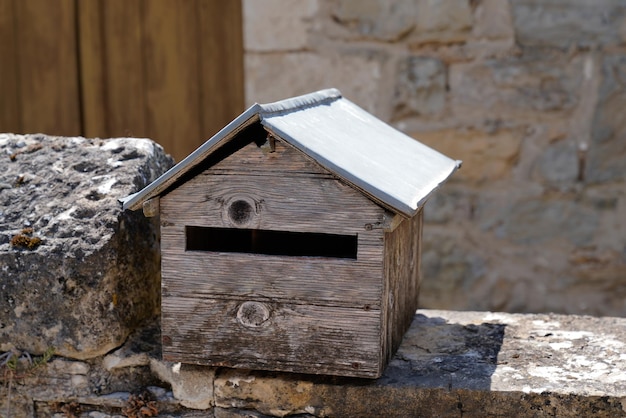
{"points": [[450, 363], [607, 153], [443, 21], [372, 19], [76, 273], [535, 83], [290, 24], [462, 363], [529, 94], [569, 23], [192, 385], [421, 88]]}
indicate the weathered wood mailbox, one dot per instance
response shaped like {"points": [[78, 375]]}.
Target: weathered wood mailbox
{"points": [[291, 239]]}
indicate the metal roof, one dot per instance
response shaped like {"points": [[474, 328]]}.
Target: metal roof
{"points": [[390, 167]]}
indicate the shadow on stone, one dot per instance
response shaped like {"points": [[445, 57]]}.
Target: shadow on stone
{"points": [[436, 353]]}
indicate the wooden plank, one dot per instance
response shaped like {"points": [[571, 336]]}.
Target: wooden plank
{"points": [[402, 270], [221, 64], [124, 93], [48, 75], [319, 280], [151, 207], [294, 337], [171, 72], [284, 160], [282, 203], [93, 81], [10, 115]]}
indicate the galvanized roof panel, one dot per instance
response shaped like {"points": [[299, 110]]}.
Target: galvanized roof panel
{"points": [[387, 165], [383, 162]]}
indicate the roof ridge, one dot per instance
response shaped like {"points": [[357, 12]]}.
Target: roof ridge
{"points": [[300, 102]]}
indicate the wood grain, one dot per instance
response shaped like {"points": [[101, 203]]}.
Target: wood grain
{"points": [[284, 160], [48, 67], [10, 111], [326, 315], [124, 94], [220, 51], [402, 273], [292, 203], [93, 72], [171, 74], [318, 280], [296, 337]]}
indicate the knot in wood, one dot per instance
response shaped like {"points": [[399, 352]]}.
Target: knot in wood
{"points": [[240, 212], [253, 314]]}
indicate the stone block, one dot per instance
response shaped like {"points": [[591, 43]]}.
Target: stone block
{"points": [[271, 77], [460, 364], [277, 25], [559, 163], [539, 221], [77, 274], [420, 87], [563, 24], [493, 20], [192, 385], [486, 156], [443, 21], [607, 150], [375, 20], [533, 86]]}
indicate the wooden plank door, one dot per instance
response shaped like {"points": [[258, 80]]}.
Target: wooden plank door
{"points": [[170, 70], [39, 88]]}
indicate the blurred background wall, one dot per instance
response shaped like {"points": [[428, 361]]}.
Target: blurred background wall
{"points": [[531, 95]]}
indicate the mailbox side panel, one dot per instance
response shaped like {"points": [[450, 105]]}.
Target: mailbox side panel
{"points": [[306, 314], [402, 279]]}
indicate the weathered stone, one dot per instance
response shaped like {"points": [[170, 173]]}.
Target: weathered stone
{"points": [[474, 363], [450, 269], [77, 274], [266, 29], [443, 21], [421, 87], [607, 150], [486, 156], [373, 19], [560, 163], [493, 20], [562, 24], [192, 385], [538, 221], [532, 86], [304, 72], [469, 363]]}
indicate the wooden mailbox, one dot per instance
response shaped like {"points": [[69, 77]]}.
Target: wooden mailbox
{"points": [[291, 239]]}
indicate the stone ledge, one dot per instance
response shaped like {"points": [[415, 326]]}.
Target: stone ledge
{"points": [[471, 364], [463, 363]]}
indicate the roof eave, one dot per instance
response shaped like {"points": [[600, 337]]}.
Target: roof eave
{"points": [[161, 184]]}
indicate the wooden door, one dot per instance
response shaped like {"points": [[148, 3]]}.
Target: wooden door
{"points": [[170, 70]]}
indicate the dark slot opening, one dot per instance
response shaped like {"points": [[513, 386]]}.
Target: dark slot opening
{"points": [[258, 241]]}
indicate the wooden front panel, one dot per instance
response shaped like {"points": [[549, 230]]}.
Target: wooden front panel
{"points": [[275, 336], [320, 280], [280, 201], [326, 310]]}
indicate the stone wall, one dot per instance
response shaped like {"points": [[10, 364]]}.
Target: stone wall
{"points": [[529, 94], [450, 364]]}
